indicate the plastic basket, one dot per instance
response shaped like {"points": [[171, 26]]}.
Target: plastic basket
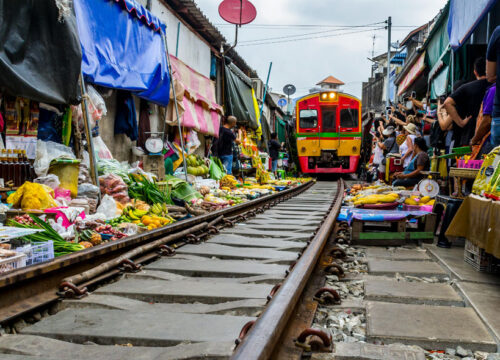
{"points": [[469, 164], [12, 263], [480, 260], [38, 252]]}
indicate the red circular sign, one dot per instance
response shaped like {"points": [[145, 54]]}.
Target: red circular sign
{"points": [[239, 12]]}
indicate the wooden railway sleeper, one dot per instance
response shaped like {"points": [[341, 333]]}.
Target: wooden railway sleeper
{"points": [[314, 340], [68, 290], [327, 296], [244, 331]]}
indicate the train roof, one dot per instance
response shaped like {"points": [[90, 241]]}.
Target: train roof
{"points": [[319, 91]]}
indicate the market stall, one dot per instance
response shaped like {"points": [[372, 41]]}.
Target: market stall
{"points": [[478, 218], [67, 190]]}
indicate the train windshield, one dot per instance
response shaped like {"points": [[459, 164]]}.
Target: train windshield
{"points": [[308, 119], [329, 115], [349, 118]]}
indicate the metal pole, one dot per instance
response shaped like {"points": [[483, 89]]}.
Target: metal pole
{"points": [[88, 134], [265, 90], [177, 41], [176, 107], [488, 27], [452, 69], [388, 90]]}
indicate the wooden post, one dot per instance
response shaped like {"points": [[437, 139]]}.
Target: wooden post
{"points": [[88, 135]]}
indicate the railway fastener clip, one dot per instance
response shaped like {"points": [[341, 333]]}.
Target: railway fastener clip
{"points": [[130, 266], [166, 250], [244, 330], [338, 253], [327, 296], [273, 292], [314, 340], [68, 290], [335, 269]]}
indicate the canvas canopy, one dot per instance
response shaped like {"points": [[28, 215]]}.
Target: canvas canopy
{"points": [[238, 97], [40, 54], [123, 48]]}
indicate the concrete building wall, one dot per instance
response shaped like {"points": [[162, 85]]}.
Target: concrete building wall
{"points": [[192, 51]]}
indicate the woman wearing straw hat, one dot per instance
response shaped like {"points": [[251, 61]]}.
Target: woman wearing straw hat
{"points": [[406, 149]]}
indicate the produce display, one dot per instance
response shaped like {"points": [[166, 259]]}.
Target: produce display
{"points": [[360, 195], [196, 166], [131, 202]]}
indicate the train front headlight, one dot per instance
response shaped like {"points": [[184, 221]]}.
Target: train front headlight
{"points": [[303, 149], [354, 149], [332, 96], [324, 96]]}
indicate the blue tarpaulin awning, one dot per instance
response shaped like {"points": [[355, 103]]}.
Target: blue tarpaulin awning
{"points": [[123, 48], [465, 16]]}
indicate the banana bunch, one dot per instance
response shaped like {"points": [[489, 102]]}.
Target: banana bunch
{"points": [[376, 199], [133, 213], [228, 181], [159, 209]]}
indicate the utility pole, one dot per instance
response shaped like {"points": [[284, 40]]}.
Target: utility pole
{"points": [[389, 25], [373, 52]]}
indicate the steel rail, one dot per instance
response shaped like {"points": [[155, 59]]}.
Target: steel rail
{"points": [[265, 333], [26, 289]]}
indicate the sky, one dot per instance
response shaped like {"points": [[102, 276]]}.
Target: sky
{"points": [[327, 46]]}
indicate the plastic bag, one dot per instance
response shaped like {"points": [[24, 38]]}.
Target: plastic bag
{"points": [[216, 173], [97, 106], [46, 151], [114, 186], [100, 149], [128, 229], [62, 195], [50, 180], [192, 141], [105, 167], [88, 190], [107, 207]]}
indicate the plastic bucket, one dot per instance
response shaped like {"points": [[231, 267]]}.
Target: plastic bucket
{"points": [[67, 172]]}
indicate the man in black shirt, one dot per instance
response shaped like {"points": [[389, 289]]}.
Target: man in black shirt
{"points": [[274, 148], [464, 103], [225, 143]]}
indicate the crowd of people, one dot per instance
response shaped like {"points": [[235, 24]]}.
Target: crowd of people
{"points": [[468, 116]]}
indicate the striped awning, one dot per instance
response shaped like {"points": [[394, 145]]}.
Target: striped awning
{"points": [[198, 108]]}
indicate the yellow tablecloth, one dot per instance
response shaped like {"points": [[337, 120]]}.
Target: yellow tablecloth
{"points": [[478, 220]]}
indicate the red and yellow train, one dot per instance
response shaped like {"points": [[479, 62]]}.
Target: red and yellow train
{"points": [[328, 132]]}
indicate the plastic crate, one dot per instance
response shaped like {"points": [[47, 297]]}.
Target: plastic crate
{"points": [[480, 260], [469, 164], [38, 252], [12, 263]]}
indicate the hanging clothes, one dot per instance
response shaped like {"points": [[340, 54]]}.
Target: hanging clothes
{"points": [[126, 119], [144, 123]]}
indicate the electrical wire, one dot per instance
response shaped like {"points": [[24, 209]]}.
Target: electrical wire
{"points": [[312, 37], [286, 26], [300, 35]]}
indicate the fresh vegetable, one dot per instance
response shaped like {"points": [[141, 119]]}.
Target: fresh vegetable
{"points": [[149, 192], [61, 246]]}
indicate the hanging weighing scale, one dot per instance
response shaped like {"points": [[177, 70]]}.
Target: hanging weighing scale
{"points": [[154, 144], [428, 187]]}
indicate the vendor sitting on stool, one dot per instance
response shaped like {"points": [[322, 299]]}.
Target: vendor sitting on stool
{"points": [[412, 174]]}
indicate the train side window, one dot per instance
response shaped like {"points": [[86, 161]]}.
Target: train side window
{"points": [[308, 119], [349, 118], [329, 117]]}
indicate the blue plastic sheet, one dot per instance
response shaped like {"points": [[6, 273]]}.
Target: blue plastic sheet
{"points": [[123, 48], [465, 16]]}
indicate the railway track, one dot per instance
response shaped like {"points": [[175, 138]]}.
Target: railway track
{"points": [[190, 301], [273, 280]]}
